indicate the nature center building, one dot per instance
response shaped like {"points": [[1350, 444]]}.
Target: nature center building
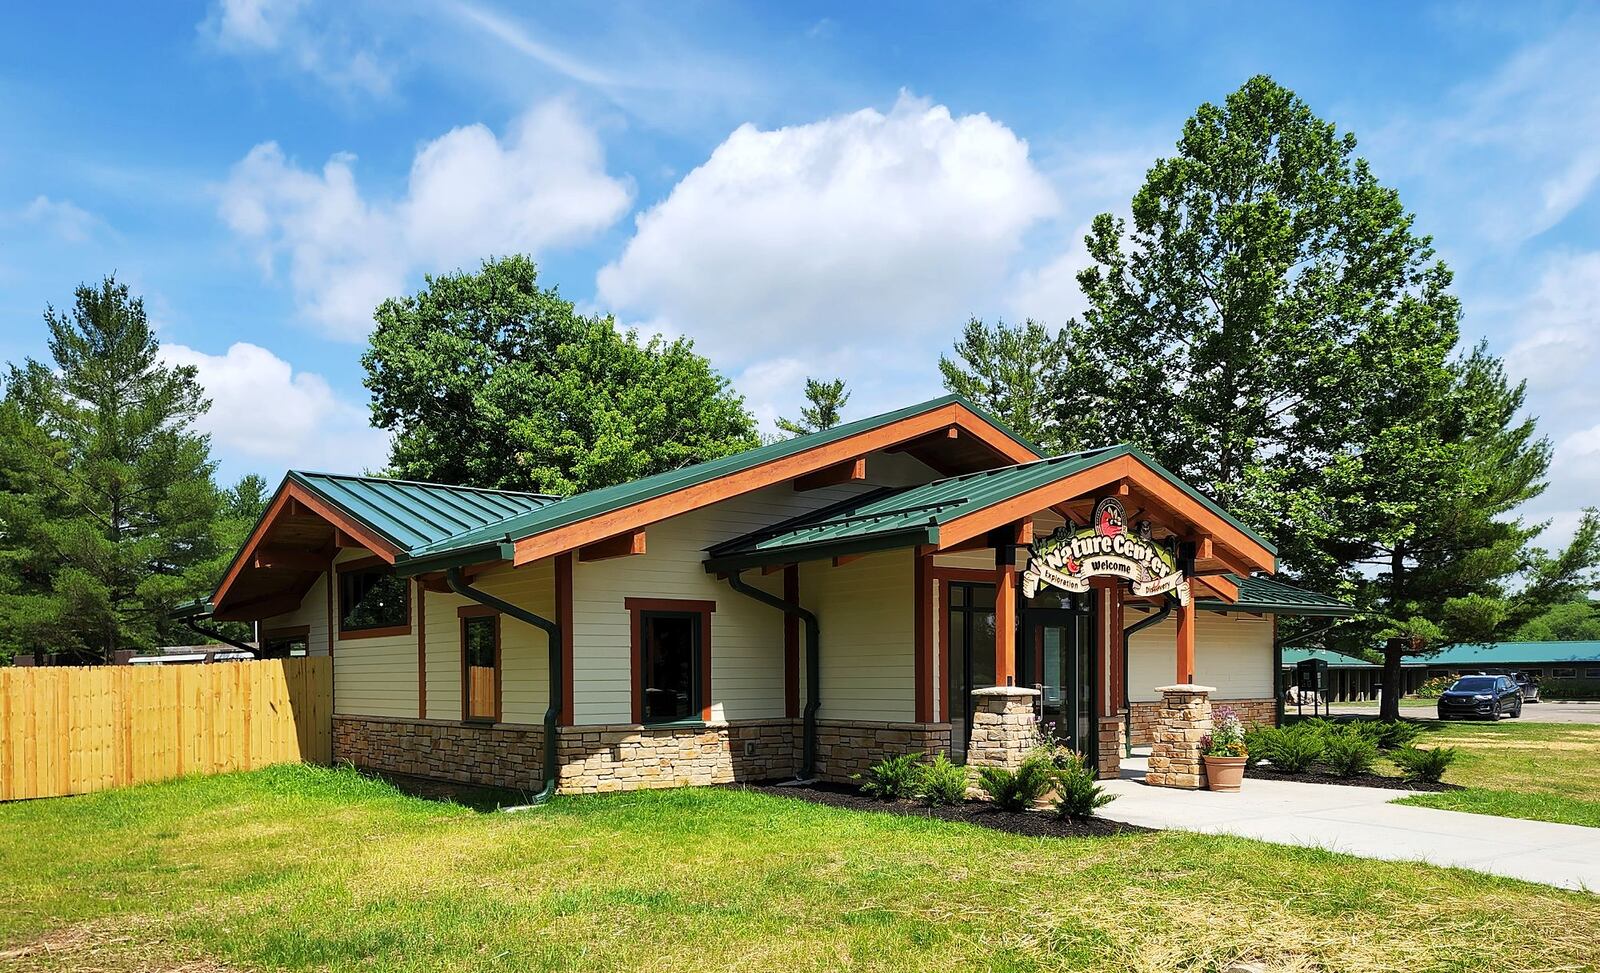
{"points": [[915, 581]]}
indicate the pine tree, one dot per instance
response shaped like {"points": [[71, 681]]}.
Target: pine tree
{"points": [[1010, 371], [826, 400], [112, 495]]}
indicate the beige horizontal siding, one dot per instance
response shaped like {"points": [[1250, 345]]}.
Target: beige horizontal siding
{"points": [[312, 613], [1232, 652], [866, 613]]}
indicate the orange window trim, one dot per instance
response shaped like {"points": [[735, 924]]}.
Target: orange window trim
{"points": [[464, 616], [564, 618], [636, 609], [389, 631]]}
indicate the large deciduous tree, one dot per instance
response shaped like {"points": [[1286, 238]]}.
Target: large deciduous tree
{"points": [[107, 507], [1010, 370], [1270, 326], [488, 379]]}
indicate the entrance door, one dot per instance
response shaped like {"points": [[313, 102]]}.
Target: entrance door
{"points": [[1059, 660]]}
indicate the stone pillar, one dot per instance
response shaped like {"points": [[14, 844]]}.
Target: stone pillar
{"points": [[1182, 722], [1110, 747], [1004, 727]]}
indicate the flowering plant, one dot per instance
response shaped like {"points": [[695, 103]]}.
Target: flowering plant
{"points": [[1226, 738]]}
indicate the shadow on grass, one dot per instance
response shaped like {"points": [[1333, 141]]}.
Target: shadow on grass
{"points": [[476, 797]]}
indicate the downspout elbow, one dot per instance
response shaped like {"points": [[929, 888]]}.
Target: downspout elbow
{"points": [[552, 633]]}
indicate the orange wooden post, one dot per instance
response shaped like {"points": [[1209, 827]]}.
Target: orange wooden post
{"points": [[1186, 642], [1005, 604]]}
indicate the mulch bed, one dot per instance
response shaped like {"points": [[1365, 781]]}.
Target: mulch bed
{"points": [[1360, 780], [1033, 824]]}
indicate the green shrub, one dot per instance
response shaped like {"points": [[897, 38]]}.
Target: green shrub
{"points": [[1435, 687], [1396, 734], [1078, 794], [1298, 748], [942, 782], [1567, 688], [1259, 742], [1350, 752], [1017, 790], [1424, 764], [892, 779]]}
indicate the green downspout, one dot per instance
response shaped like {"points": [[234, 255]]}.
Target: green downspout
{"points": [[808, 737], [552, 633], [1127, 637]]}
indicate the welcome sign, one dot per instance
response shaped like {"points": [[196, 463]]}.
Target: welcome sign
{"points": [[1068, 559]]}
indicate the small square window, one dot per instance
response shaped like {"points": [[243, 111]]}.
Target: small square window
{"points": [[373, 598]]}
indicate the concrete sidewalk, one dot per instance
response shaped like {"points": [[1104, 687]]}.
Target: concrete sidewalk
{"points": [[1361, 821]]}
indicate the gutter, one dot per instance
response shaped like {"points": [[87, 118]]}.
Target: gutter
{"points": [[731, 564], [194, 626], [1127, 636], [808, 737], [552, 633]]}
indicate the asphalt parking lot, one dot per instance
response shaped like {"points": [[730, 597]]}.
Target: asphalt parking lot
{"points": [[1546, 712]]}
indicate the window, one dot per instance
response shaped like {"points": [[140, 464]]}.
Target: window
{"points": [[284, 643], [480, 664], [1592, 673], [372, 601], [671, 660], [1566, 673]]}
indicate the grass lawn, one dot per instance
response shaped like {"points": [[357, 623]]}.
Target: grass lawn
{"points": [[309, 868], [1540, 771]]}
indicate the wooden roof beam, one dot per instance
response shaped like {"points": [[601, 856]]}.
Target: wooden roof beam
{"points": [[850, 471], [625, 544]]}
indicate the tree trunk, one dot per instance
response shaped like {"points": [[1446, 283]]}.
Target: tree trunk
{"points": [[1393, 679]]}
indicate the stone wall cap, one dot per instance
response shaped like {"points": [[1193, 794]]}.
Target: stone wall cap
{"points": [[1005, 691], [1186, 688]]}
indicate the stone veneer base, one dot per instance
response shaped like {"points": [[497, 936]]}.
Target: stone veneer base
{"points": [[1261, 712], [601, 759]]}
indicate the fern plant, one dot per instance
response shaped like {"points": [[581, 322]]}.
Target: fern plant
{"points": [[1424, 764], [1017, 790], [893, 778], [1078, 794], [942, 782], [1350, 753]]}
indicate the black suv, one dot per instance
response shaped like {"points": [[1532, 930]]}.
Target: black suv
{"points": [[1485, 697]]}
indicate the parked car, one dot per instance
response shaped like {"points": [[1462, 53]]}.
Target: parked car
{"points": [[1529, 686], [1482, 697]]}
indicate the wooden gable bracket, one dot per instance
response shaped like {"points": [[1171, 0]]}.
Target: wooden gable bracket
{"points": [[625, 544], [434, 580], [844, 559], [291, 559], [345, 542], [850, 471]]}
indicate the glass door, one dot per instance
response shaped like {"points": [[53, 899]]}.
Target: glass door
{"points": [[970, 625], [1058, 659]]}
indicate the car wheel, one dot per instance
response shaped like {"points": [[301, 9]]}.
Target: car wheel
{"points": [[1516, 714]]}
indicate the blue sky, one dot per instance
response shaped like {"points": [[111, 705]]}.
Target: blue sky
{"points": [[803, 189]]}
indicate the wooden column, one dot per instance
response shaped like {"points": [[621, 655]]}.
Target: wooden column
{"points": [[1005, 601], [922, 637], [1186, 615]]}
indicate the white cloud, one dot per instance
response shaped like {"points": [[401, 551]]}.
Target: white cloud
{"points": [[1558, 324], [469, 195], [263, 411], [61, 218], [868, 229], [308, 39]]}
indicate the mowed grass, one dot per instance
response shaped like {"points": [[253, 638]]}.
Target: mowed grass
{"points": [[308, 868], [1539, 771]]}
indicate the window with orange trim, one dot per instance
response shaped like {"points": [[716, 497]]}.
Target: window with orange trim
{"points": [[671, 660]]}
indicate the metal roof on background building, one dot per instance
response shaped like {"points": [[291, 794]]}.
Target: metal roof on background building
{"points": [[1272, 597]]}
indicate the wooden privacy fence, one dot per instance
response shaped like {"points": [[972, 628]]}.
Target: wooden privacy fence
{"points": [[76, 730]]}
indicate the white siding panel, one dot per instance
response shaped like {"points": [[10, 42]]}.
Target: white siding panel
{"points": [[375, 676], [1231, 652], [524, 652], [866, 613], [746, 636]]}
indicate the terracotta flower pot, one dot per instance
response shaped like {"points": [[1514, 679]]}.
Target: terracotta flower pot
{"points": [[1224, 773]]}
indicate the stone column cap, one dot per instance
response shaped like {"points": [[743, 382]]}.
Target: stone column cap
{"points": [[1005, 691], [1186, 688]]}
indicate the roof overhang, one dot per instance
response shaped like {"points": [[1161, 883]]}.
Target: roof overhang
{"points": [[916, 431]]}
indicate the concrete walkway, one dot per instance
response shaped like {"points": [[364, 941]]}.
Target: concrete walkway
{"points": [[1361, 821]]}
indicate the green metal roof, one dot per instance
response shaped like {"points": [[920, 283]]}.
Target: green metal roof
{"points": [[1272, 597], [913, 515], [1513, 653], [594, 503], [414, 516], [1293, 657]]}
